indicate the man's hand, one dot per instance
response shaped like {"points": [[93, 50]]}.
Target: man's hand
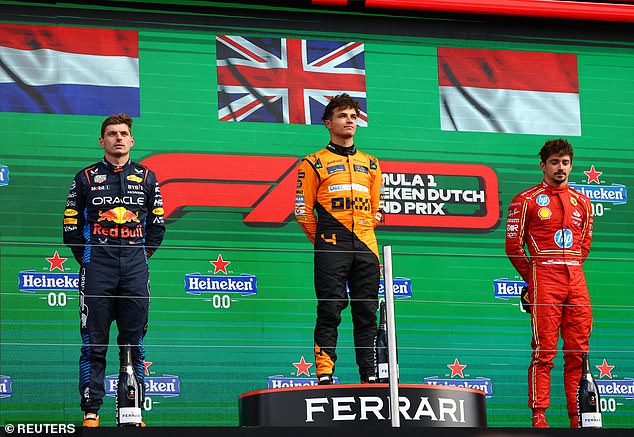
{"points": [[525, 304]]}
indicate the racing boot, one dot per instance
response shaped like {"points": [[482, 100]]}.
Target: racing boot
{"points": [[91, 420]]}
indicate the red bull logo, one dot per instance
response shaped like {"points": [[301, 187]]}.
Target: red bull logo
{"points": [[118, 231], [119, 215]]}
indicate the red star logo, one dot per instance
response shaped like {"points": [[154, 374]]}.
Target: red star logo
{"points": [[593, 175], [457, 368], [57, 262], [146, 367], [302, 367], [606, 369], [220, 265]]}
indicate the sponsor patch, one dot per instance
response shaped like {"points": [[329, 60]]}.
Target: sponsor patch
{"points": [[336, 168], [544, 213], [542, 200], [361, 169]]}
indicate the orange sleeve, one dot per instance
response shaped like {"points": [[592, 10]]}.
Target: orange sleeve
{"points": [[375, 194], [305, 198]]}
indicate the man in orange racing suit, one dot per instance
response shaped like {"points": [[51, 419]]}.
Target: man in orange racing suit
{"points": [[344, 185], [555, 222]]}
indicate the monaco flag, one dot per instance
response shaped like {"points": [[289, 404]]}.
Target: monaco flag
{"points": [[508, 91], [68, 70]]}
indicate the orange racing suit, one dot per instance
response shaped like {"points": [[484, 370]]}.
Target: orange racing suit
{"points": [[344, 186], [556, 225]]}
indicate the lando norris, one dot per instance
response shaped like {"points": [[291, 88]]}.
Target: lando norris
{"points": [[343, 186]]}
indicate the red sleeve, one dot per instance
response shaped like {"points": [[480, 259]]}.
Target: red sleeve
{"points": [[586, 237], [516, 228]]}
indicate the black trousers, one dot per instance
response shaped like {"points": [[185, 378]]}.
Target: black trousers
{"points": [[114, 285], [348, 263]]}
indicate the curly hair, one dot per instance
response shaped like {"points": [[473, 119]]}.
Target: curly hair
{"points": [[558, 147], [343, 101]]}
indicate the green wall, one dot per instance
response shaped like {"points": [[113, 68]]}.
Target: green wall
{"points": [[219, 353]]}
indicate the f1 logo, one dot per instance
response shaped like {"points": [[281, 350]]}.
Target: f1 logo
{"points": [[266, 186]]}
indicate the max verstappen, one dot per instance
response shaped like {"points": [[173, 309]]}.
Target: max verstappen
{"points": [[343, 185], [113, 223]]}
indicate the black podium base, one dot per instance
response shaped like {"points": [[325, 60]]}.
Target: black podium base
{"points": [[420, 405], [359, 431]]}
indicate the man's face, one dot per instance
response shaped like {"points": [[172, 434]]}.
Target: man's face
{"points": [[343, 123], [117, 140], [556, 169]]}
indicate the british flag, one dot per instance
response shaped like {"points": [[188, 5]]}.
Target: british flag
{"points": [[283, 80]]}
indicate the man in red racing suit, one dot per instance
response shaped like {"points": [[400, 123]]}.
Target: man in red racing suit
{"points": [[344, 185], [555, 222]]}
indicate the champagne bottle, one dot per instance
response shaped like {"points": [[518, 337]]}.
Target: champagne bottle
{"points": [[588, 398], [382, 371], [128, 393]]}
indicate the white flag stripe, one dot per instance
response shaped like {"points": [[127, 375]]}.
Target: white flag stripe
{"points": [[512, 111], [319, 96], [335, 61], [267, 60], [277, 93], [51, 67]]}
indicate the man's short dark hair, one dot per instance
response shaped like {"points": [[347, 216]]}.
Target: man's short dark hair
{"points": [[557, 147], [343, 101], [116, 119]]}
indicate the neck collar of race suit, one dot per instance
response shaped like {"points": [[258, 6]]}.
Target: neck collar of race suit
{"points": [[340, 150], [559, 189], [115, 168]]}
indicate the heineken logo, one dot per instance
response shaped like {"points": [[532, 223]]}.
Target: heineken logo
{"points": [[166, 385], [4, 175], [457, 370], [504, 288], [244, 284], [6, 386], [32, 280]]}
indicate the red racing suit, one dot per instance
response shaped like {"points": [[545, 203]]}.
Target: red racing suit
{"points": [[556, 225], [344, 186]]}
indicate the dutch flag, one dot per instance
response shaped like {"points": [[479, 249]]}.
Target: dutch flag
{"points": [[68, 70]]}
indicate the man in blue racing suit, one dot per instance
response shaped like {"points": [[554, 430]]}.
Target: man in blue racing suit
{"points": [[113, 222]]}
